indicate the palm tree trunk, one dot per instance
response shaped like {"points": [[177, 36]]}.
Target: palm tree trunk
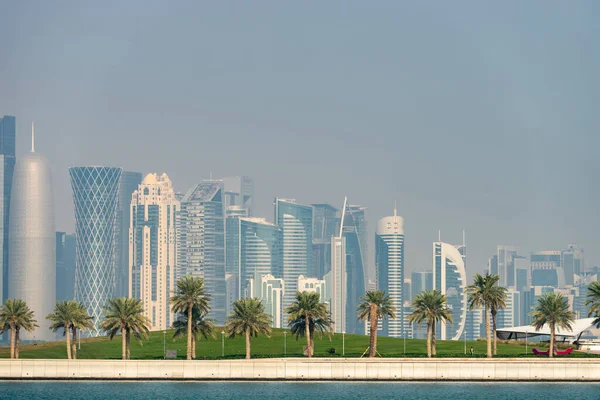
{"points": [[74, 344], [123, 342], [17, 342], [373, 331], [551, 352], [307, 328], [128, 337], [433, 339], [194, 349], [13, 336], [487, 332], [247, 344], [68, 339], [429, 339], [189, 333], [494, 332]]}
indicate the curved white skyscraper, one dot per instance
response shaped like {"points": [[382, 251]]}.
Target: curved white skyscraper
{"points": [[32, 240]]}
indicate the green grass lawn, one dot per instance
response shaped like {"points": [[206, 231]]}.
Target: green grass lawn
{"points": [[355, 345]]}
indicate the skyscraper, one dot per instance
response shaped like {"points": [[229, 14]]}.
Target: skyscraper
{"points": [[202, 246], [545, 269], [271, 291], [449, 277], [239, 191], [421, 281], [389, 262], [129, 183], [32, 241], [8, 129], [506, 266], [251, 247], [152, 248], [325, 226], [336, 280], [65, 266], [295, 243], [95, 194], [354, 231]]}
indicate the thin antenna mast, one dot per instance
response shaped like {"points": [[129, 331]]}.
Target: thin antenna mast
{"points": [[343, 214], [32, 138]]}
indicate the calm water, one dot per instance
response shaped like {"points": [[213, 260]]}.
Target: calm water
{"points": [[292, 391]]}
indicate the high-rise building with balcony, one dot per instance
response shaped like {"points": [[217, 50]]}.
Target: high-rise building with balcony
{"points": [[32, 241], [294, 242], [129, 183], [95, 194], [8, 129], [389, 262], [152, 248], [449, 277], [202, 241]]}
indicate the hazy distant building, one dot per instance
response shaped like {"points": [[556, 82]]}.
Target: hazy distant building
{"points": [[573, 263], [325, 226], [545, 268], [389, 261], [202, 241], [65, 266], [8, 129], [129, 183], [152, 248], [271, 291], [294, 242], [32, 241], [506, 266], [95, 194], [492, 267], [251, 247], [509, 316], [239, 191], [449, 277], [313, 285], [421, 281]]}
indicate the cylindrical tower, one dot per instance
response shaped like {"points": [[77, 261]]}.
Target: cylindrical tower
{"points": [[32, 241], [95, 192]]}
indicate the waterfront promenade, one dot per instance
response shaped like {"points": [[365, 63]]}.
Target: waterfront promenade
{"points": [[385, 369]]}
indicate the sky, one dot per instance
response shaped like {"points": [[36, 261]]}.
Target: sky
{"points": [[472, 115]]}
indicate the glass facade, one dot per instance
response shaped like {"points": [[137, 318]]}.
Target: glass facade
{"points": [[202, 246], [325, 225], [420, 281], [389, 262], [95, 194], [251, 248], [449, 277], [353, 231], [129, 183], [8, 129], [65, 266], [294, 242]]}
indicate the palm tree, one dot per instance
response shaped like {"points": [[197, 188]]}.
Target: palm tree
{"points": [[593, 302], [317, 326], [309, 307], [190, 293], [126, 315], [201, 326], [248, 318], [485, 293], [430, 307], [497, 301], [375, 305], [81, 322], [15, 315], [553, 310], [62, 318]]}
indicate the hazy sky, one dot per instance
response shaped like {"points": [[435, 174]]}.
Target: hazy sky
{"points": [[476, 115]]}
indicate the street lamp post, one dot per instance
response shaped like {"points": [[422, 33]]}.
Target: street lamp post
{"points": [[79, 339], [222, 343], [164, 345], [284, 343], [526, 350], [343, 343], [404, 342]]}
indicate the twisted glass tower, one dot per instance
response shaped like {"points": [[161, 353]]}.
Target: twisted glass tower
{"points": [[95, 192]]}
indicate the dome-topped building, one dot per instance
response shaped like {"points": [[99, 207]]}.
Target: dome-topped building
{"points": [[32, 240]]}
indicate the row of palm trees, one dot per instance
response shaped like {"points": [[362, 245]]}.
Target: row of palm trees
{"points": [[307, 316]]}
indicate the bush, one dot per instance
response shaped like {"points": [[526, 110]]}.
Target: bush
{"points": [[331, 351]]}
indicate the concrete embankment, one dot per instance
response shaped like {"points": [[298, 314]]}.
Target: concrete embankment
{"points": [[303, 369]]}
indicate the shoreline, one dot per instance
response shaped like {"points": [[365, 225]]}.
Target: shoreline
{"points": [[304, 370]]}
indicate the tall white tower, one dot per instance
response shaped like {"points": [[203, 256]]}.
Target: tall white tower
{"points": [[32, 240]]}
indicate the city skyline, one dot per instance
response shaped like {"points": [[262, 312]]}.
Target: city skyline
{"points": [[373, 102]]}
